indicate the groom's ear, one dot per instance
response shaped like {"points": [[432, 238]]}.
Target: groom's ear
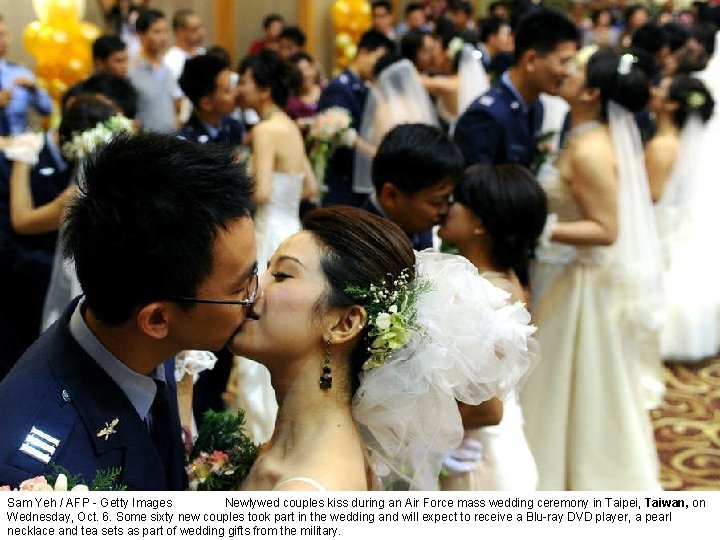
{"points": [[152, 320], [348, 324]]}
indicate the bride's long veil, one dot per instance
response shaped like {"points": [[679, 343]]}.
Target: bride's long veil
{"points": [[638, 257], [397, 97], [473, 80]]}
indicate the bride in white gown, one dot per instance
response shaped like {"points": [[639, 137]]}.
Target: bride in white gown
{"points": [[283, 177], [594, 291]]}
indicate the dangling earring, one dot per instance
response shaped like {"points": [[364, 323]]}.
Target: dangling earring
{"points": [[326, 378]]}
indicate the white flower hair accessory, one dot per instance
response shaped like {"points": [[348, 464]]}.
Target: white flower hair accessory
{"points": [[391, 313], [626, 63], [454, 47], [467, 344], [84, 143]]}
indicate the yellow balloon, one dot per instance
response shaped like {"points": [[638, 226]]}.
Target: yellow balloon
{"points": [[89, 31], [31, 35], [342, 40], [340, 13], [350, 51], [61, 12]]}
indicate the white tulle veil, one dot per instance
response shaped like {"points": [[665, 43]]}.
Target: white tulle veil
{"points": [[637, 250], [472, 78], [397, 97], [472, 345]]}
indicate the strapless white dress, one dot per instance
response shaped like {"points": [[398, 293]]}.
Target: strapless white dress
{"points": [[585, 409], [274, 222]]}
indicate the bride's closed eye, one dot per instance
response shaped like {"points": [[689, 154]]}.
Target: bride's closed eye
{"points": [[280, 275]]}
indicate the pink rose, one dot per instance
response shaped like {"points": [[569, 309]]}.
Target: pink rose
{"points": [[39, 483], [5, 488]]}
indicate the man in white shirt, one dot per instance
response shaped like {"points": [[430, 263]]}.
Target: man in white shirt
{"points": [[189, 34]]}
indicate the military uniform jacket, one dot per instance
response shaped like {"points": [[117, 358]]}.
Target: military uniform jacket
{"points": [[349, 92], [494, 129], [230, 132], [56, 401]]}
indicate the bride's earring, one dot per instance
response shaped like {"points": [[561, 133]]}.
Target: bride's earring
{"points": [[326, 377]]}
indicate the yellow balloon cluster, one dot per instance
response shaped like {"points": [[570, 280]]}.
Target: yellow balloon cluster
{"points": [[350, 19], [61, 43]]}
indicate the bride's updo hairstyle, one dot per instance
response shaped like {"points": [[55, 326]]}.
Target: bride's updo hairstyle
{"points": [[361, 249], [619, 78], [269, 70], [692, 96], [84, 112], [512, 207]]}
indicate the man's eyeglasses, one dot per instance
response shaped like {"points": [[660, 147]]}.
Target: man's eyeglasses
{"points": [[250, 294]]}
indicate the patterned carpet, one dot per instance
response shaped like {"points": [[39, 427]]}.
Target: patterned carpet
{"points": [[687, 427]]}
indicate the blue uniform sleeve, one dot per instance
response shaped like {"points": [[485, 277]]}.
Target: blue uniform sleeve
{"points": [[334, 96], [41, 101], [478, 136]]}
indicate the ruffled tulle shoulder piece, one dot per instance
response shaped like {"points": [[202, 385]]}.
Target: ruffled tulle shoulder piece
{"points": [[471, 345]]}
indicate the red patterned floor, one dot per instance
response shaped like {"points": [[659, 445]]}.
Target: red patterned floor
{"points": [[687, 427]]}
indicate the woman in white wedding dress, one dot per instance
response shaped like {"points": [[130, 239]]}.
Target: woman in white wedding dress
{"points": [[498, 215], [370, 347], [682, 170], [594, 291], [283, 177]]}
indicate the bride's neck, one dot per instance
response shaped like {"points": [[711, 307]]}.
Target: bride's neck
{"points": [[665, 125], [268, 110]]}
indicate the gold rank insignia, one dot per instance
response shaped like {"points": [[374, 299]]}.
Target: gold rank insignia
{"points": [[109, 429]]}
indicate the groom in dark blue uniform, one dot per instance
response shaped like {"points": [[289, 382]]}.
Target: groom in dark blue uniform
{"points": [[502, 125], [164, 249], [348, 91]]}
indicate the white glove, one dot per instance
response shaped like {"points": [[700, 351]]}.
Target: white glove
{"points": [[192, 363], [464, 458], [25, 147], [349, 137], [550, 224]]}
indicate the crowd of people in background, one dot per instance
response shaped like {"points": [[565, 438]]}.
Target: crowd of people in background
{"points": [[494, 134]]}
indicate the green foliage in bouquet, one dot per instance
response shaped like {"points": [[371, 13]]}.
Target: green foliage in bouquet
{"points": [[104, 480], [222, 455]]}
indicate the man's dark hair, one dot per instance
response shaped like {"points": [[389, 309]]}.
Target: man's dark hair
{"points": [[294, 34], [543, 29], [145, 225], [199, 76], [104, 46], [676, 34], [494, 5], [414, 157], [273, 17], [119, 90], [180, 18], [462, 6], [146, 19], [650, 38], [85, 112], [372, 40], [490, 27], [411, 43], [704, 33], [385, 4], [413, 6], [220, 52]]}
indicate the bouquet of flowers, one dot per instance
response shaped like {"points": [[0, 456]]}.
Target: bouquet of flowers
{"points": [[82, 144], [60, 479], [327, 131], [222, 454]]}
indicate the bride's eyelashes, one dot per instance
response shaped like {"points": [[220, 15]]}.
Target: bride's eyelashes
{"points": [[279, 276]]}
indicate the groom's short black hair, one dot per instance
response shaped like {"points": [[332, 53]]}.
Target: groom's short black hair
{"points": [[543, 29], [414, 157], [372, 40]]}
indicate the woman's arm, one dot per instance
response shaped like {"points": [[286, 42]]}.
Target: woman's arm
{"points": [[310, 185], [487, 413], [440, 86], [263, 163], [24, 217], [594, 187]]}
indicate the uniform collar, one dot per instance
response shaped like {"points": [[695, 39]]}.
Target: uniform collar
{"points": [[139, 389], [514, 91]]}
